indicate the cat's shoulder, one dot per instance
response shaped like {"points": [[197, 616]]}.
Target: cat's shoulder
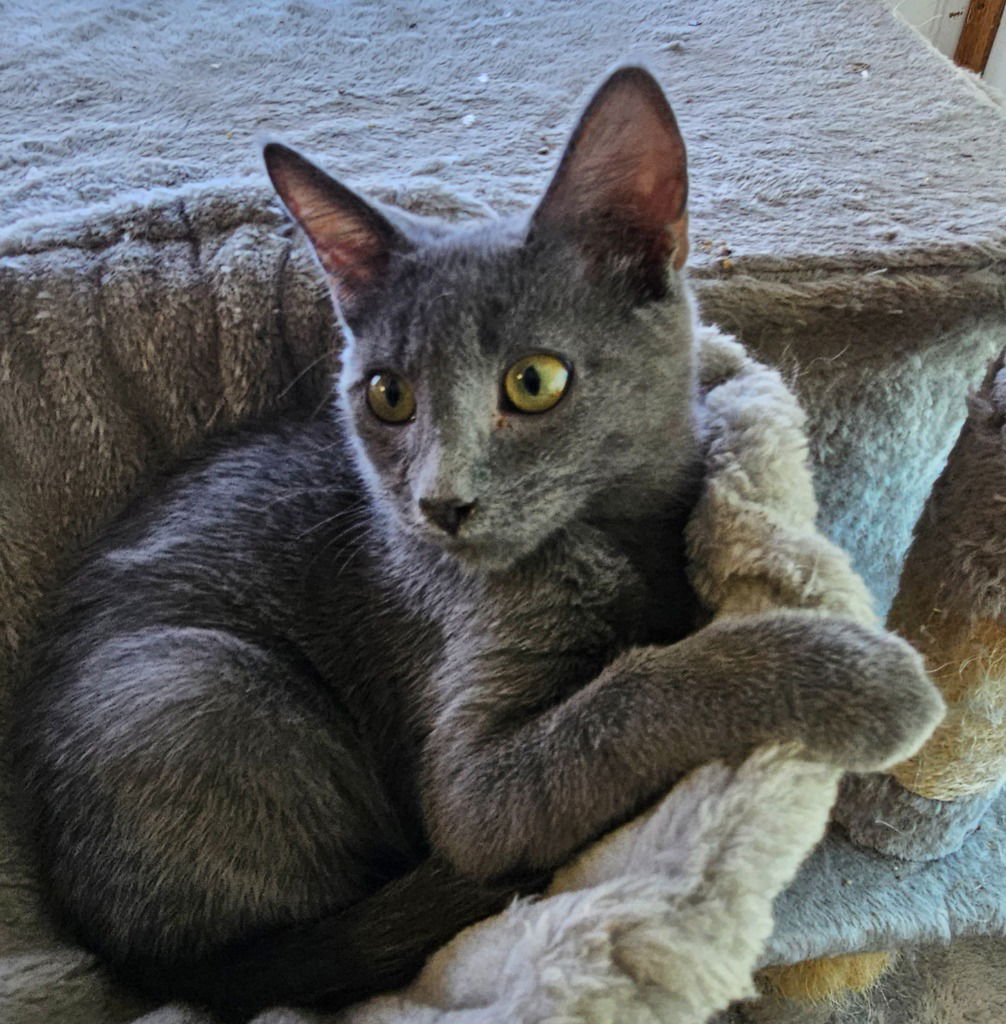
{"points": [[244, 496]]}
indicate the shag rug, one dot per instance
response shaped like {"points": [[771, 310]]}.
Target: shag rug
{"points": [[848, 212]]}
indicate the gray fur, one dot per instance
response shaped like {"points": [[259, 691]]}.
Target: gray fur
{"points": [[273, 687], [880, 814]]}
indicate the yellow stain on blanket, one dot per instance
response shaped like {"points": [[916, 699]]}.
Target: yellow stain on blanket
{"points": [[966, 756], [818, 981]]}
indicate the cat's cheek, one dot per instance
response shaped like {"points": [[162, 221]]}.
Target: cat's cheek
{"points": [[383, 470], [537, 428], [386, 445]]}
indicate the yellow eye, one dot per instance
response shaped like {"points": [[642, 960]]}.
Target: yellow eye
{"points": [[536, 383], [390, 398]]}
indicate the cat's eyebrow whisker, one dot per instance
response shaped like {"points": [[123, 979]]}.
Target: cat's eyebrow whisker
{"points": [[325, 400]]}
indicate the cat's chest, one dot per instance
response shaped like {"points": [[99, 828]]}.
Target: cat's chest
{"points": [[590, 595]]}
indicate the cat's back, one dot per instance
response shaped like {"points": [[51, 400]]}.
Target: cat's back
{"points": [[228, 534], [231, 546], [172, 678]]}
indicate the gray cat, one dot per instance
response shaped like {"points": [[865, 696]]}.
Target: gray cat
{"points": [[345, 684]]}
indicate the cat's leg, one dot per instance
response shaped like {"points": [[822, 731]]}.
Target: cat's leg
{"points": [[193, 790], [551, 779]]}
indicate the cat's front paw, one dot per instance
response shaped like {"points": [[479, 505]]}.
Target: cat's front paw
{"points": [[865, 702]]}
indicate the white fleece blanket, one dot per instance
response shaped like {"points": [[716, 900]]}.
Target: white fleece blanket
{"points": [[645, 928]]}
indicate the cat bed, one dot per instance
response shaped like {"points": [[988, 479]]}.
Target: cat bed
{"points": [[849, 223], [644, 926]]}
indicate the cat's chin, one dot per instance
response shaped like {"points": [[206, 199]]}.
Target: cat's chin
{"points": [[479, 555], [481, 561], [473, 556], [482, 551]]}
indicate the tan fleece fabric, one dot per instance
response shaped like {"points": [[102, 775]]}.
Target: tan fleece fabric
{"points": [[951, 605]]}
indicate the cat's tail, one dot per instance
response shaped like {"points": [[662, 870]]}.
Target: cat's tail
{"points": [[372, 946]]}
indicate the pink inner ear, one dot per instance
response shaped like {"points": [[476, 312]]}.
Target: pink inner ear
{"points": [[352, 240], [634, 169], [622, 185], [346, 247], [350, 255]]}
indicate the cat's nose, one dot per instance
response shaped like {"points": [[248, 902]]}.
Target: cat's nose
{"points": [[447, 513]]}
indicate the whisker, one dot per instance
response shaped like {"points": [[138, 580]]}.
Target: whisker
{"points": [[307, 369], [341, 535], [322, 448], [334, 492], [351, 510], [353, 551]]}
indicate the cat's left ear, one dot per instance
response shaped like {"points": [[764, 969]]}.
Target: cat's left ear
{"points": [[353, 241], [622, 184]]}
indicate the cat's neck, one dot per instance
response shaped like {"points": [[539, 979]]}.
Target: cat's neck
{"points": [[670, 484], [665, 482]]}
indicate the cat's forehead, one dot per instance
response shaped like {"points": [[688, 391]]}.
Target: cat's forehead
{"points": [[484, 299]]}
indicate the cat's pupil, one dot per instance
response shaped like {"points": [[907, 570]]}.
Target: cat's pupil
{"points": [[531, 380], [392, 392]]}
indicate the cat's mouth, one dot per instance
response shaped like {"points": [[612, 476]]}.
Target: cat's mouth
{"points": [[463, 546], [481, 539], [486, 551]]}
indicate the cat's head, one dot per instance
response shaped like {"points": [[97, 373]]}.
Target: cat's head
{"points": [[500, 381]]}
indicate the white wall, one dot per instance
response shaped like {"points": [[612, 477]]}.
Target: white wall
{"points": [[940, 21], [995, 70]]}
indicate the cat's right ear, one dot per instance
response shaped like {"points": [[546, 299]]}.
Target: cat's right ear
{"points": [[621, 188], [352, 240]]}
